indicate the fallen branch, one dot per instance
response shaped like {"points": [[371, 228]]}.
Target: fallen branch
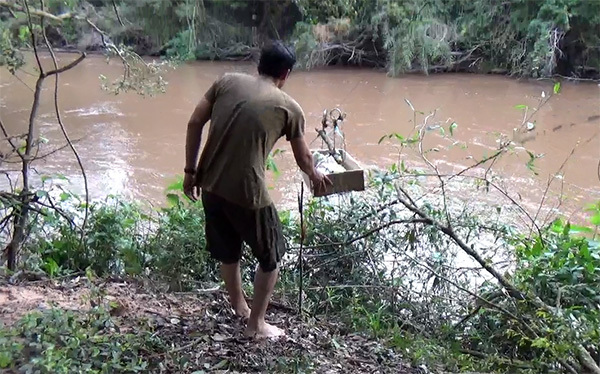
{"points": [[584, 356], [35, 12]]}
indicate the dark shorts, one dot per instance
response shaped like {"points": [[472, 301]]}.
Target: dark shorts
{"points": [[229, 225]]}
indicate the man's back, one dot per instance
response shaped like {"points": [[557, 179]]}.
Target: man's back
{"points": [[249, 115]]}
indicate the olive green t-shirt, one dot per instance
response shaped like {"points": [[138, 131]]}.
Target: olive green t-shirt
{"points": [[249, 114]]}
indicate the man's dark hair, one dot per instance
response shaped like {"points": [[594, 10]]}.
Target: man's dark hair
{"points": [[275, 60]]}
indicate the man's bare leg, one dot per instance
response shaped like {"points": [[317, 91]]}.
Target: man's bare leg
{"points": [[264, 282], [233, 283]]}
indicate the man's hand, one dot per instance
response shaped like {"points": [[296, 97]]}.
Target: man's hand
{"points": [[190, 189], [304, 160], [320, 181]]}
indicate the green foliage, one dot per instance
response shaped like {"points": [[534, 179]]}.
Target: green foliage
{"points": [[58, 341], [562, 268], [11, 57], [177, 247], [523, 37], [121, 239], [112, 244], [179, 48]]}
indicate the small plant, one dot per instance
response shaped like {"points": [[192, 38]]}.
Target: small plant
{"points": [[59, 341]]}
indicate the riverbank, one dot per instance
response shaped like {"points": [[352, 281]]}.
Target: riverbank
{"points": [[149, 331], [146, 277], [527, 39]]}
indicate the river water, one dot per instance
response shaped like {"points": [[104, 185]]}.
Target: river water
{"points": [[134, 146]]}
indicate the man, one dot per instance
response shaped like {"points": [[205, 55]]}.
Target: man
{"points": [[248, 114]]}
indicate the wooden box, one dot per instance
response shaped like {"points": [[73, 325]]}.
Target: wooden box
{"points": [[353, 179]]}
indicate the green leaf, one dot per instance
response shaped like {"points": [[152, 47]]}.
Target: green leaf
{"points": [[595, 219], [173, 199], [556, 88], [64, 196], [537, 248], [590, 267], [577, 229], [399, 137], [41, 193], [51, 267], [272, 166], [220, 365], [5, 360], [177, 185], [442, 131], [586, 254], [557, 226], [335, 344], [540, 343], [452, 127], [521, 106], [382, 139]]}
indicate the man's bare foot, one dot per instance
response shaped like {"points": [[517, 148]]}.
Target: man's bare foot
{"points": [[242, 311], [263, 330]]}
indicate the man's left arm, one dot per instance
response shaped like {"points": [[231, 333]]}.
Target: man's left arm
{"points": [[199, 118]]}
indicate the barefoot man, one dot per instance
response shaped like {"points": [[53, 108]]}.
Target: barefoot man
{"points": [[247, 114]]}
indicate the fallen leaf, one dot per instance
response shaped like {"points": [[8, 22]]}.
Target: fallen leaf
{"points": [[220, 365], [219, 337]]}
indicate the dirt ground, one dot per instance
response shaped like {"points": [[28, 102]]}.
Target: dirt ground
{"points": [[202, 326]]}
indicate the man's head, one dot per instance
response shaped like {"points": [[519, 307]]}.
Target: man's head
{"points": [[276, 62]]}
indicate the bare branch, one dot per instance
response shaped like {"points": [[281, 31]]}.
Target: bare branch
{"points": [[10, 138], [57, 71], [114, 4], [56, 150], [69, 66]]}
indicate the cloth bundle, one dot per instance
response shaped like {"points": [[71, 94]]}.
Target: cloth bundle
{"points": [[326, 164]]}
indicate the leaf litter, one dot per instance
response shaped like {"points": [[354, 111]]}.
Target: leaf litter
{"points": [[201, 334]]}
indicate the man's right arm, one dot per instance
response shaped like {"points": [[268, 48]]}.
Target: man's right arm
{"points": [[295, 135], [303, 156]]}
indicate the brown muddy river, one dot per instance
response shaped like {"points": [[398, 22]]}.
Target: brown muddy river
{"points": [[134, 146]]}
